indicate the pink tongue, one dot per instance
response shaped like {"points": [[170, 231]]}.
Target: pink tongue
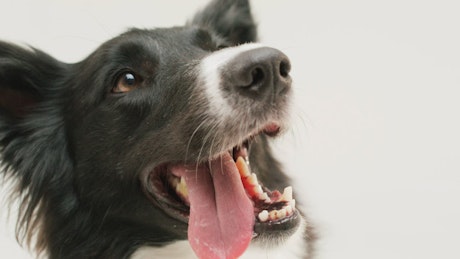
{"points": [[221, 214]]}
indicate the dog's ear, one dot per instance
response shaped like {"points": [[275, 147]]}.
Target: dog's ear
{"points": [[32, 136], [25, 77], [231, 19], [30, 115]]}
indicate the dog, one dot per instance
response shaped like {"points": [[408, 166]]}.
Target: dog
{"points": [[154, 146]]}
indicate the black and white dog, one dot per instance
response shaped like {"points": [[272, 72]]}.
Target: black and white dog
{"points": [[155, 146]]}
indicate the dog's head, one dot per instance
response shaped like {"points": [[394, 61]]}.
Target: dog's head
{"points": [[159, 135]]}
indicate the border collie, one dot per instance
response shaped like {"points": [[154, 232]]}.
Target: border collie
{"points": [[154, 146]]}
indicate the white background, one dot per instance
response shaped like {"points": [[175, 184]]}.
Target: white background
{"points": [[374, 147]]}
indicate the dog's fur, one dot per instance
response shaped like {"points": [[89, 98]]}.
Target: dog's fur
{"points": [[78, 151]]}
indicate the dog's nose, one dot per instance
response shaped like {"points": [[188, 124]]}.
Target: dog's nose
{"points": [[260, 72]]}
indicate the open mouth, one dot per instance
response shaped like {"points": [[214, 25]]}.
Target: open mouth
{"points": [[223, 202]]}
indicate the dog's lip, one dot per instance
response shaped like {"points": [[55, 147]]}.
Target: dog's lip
{"points": [[154, 187], [284, 227], [272, 129], [156, 192]]}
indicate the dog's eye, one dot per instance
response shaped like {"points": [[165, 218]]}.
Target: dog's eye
{"points": [[126, 82]]}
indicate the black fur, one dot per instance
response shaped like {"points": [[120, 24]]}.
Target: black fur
{"points": [[77, 151]]}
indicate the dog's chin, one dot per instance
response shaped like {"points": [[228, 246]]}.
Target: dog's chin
{"points": [[274, 215]]}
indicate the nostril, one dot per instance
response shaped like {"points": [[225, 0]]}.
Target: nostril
{"points": [[285, 68], [257, 75], [253, 78]]}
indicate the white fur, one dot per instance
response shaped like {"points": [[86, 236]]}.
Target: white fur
{"points": [[210, 76], [293, 248]]}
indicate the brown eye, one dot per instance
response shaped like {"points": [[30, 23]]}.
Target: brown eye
{"points": [[126, 82]]}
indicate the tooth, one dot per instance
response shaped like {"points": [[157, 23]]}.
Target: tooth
{"points": [[263, 216], [282, 213], [288, 209], [263, 196], [252, 180], [258, 190], [268, 200], [287, 193], [292, 204], [242, 167], [181, 187], [273, 215]]}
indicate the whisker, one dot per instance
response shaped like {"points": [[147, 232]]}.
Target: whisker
{"points": [[212, 142], [205, 139], [191, 138]]}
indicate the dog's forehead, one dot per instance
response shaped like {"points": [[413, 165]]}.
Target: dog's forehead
{"points": [[163, 41]]}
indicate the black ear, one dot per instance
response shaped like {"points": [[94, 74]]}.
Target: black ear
{"points": [[25, 78], [33, 144], [230, 19], [30, 109]]}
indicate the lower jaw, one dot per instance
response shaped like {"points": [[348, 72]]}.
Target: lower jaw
{"points": [[274, 232], [270, 230]]}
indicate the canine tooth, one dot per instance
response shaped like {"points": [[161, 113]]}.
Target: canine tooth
{"points": [[242, 167], [287, 193], [263, 216], [292, 204], [181, 187]]}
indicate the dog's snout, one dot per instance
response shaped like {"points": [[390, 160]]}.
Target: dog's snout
{"points": [[260, 72], [249, 77]]}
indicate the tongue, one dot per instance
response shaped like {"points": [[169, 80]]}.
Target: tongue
{"points": [[221, 214]]}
